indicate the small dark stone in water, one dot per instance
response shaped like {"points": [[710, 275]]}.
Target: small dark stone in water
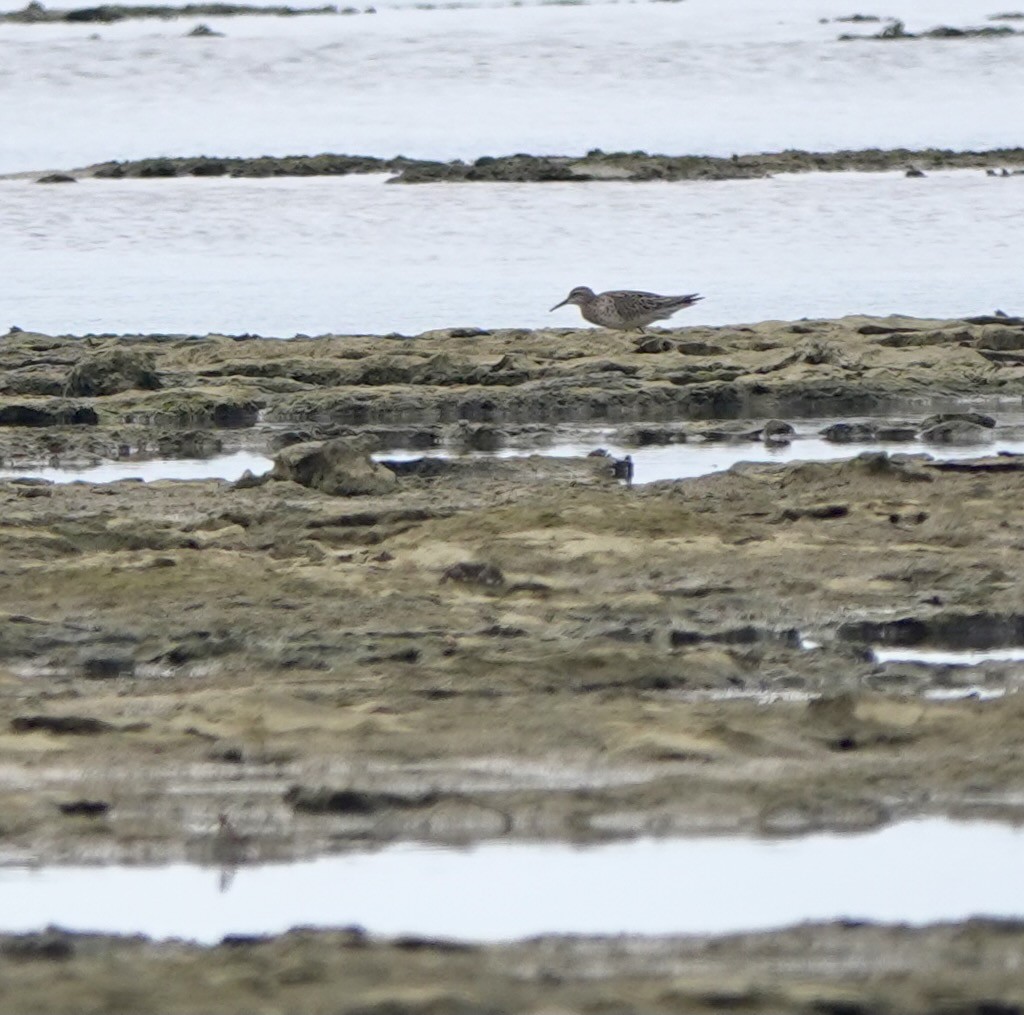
{"points": [[645, 436], [203, 32], [979, 418], [85, 808], [324, 800], [57, 178], [848, 433], [623, 469], [914, 173], [896, 433], [957, 432], [107, 667], [776, 427]]}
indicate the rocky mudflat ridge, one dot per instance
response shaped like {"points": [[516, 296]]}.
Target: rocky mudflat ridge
{"points": [[841, 967], [36, 13], [525, 168], [63, 398]]}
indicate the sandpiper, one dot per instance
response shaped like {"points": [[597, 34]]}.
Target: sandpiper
{"points": [[625, 309]]}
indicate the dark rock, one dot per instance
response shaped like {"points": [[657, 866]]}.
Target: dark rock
{"points": [[424, 468], [896, 433], [480, 436], [914, 173], [57, 178], [84, 808], [324, 800], [55, 413], [50, 945], [884, 329], [189, 444], [249, 480], [203, 32], [110, 371], [978, 418], [746, 635], [645, 436], [777, 428], [200, 645], [334, 467], [107, 667], [818, 511], [655, 344], [622, 468], [471, 573], [957, 431], [848, 433], [693, 348], [71, 724]]}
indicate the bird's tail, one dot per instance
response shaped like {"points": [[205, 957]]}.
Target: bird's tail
{"points": [[689, 300]]}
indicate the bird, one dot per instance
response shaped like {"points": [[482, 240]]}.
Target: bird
{"points": [[625, 309]]}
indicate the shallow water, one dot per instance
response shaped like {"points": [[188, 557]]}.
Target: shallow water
{"points": [[701, 458], [228, 467], [651, 464], [947, 657], [915, 872], [357, 255], [675, 77]]}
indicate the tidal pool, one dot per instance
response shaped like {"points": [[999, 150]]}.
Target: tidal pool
{"points": [[948, 657], [651, 464], [914, 872], [228, 467]]}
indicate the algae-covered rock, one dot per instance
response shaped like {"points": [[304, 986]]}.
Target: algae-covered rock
{"points": [[335, 467], [848, 433], [111, 371], [54, 412], [957, 431]]}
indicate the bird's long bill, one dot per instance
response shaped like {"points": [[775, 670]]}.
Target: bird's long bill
{"points": [[562, 304]]}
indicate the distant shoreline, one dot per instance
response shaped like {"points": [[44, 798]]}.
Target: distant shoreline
{"points": [[595, 166]]}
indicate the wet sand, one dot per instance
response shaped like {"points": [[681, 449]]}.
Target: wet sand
{"points": [[487, 648]]}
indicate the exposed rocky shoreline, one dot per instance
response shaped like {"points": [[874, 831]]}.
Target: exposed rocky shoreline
{"points": [[523, 168], [36, 13], [966, 969], [351, 652]]}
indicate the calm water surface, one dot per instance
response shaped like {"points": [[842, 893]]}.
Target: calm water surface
{"points": [[915, 872], [357, 255], [684, 461], [690, 77]]}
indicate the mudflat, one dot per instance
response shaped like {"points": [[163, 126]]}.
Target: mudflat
{"points": [[351, 651]]}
